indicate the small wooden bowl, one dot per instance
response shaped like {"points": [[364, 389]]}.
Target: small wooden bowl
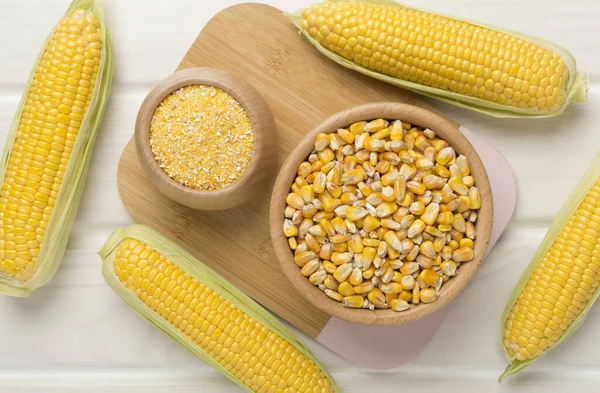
{"points": [[263, 159], [287, 174]]}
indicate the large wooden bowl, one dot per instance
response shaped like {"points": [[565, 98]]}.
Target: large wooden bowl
{"points": [[264, 155], [287, 174]]}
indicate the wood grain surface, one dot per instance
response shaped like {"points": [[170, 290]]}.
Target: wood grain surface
{"points": [[303, 88]]}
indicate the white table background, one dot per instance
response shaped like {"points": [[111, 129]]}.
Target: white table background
{"points": [[76, 335]]}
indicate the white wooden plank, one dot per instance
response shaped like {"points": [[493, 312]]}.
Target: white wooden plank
{"points": [[76, 333], [193, 381]]}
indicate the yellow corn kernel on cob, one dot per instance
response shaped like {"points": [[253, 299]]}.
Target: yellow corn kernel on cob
{"points": [[208, 316], [49, 147], [478, 67], [561, 283]]}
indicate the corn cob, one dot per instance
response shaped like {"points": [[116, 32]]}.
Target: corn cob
{"points": [[478, 67], [49, 147], [201, 311], [561, 282]]}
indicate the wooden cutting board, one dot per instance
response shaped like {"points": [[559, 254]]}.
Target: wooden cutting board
{"points": [[303, 88]]}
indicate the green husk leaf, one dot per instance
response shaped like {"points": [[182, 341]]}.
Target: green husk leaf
{"points": [[67, 202], [202, 273], [576, 89], [565, 213]]}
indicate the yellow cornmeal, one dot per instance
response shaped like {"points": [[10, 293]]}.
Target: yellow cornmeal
{"points": [[202, 137]]}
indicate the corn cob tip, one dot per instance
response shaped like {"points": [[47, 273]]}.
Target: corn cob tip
{"points": [[14, 291], [113, 241], [580, 88], [514, 367]]}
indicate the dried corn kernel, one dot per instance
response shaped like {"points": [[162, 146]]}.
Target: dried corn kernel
{"points": [[384, 224]]}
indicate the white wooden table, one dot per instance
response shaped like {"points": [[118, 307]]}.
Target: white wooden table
{"points": [[75, 334]]}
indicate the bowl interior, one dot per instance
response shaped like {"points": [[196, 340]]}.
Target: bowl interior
{"points": [[414, 115], [263, 128]]}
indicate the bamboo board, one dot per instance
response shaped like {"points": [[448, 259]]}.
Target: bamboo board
{"points": [[302, 88]]}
